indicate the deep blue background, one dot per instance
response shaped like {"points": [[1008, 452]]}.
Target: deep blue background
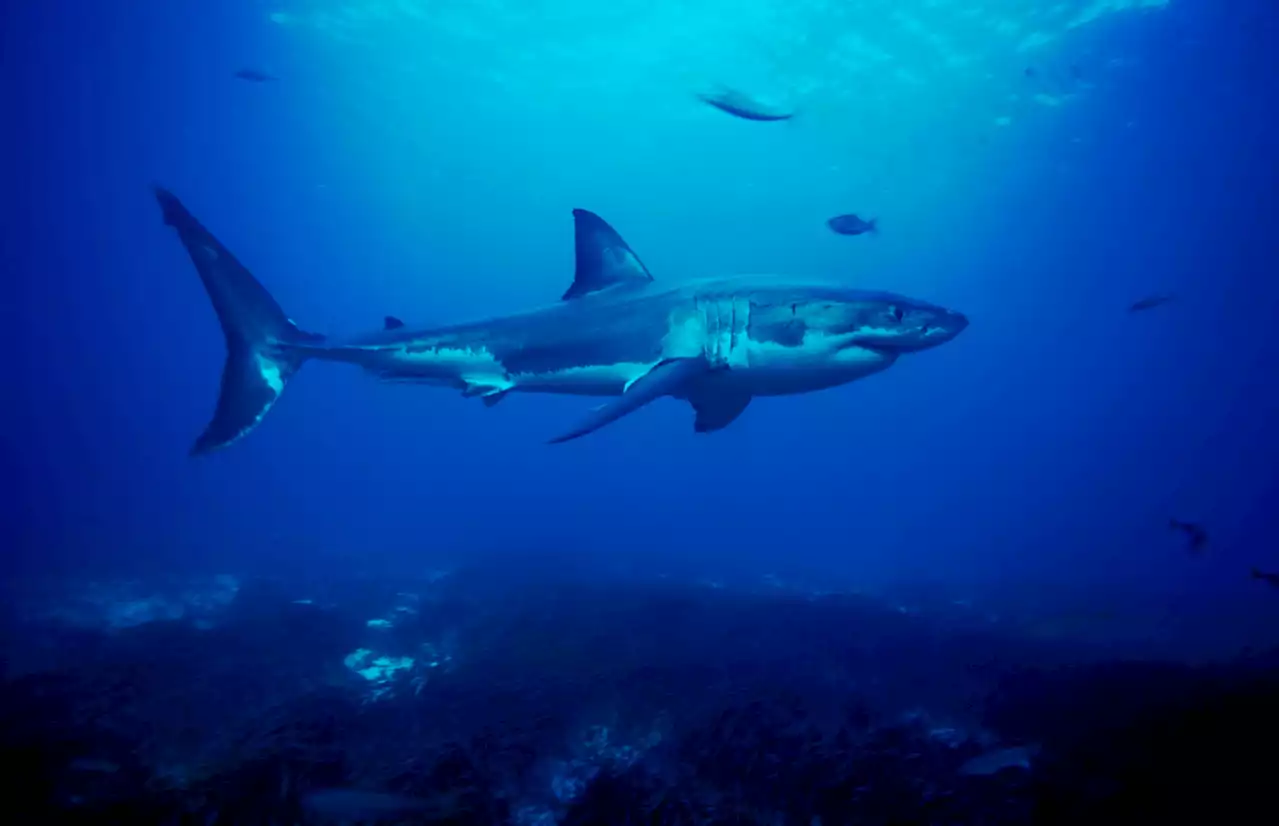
{"points": [[1040, 455]]}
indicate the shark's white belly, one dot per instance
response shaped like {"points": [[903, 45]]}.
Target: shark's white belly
{"points": [[770, 374], [591, 380], [772, 370]]}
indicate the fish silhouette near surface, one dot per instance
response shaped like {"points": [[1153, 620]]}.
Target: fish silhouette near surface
{"points": [[1197, 537], [851, 224], [1272, 578], [715, 344], [254, 76], [1150, 302], [742, 106]]}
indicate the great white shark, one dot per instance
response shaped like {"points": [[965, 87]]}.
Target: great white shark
{"points": [[715, 343]]}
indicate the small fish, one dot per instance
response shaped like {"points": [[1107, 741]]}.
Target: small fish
{"points": [[993, 762], [852, 225], [1150, 302], [1272, 579], [1197, 537], [742, 106], [254, 76]]}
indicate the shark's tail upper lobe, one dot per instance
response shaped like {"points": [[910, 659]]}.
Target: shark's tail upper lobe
{"points": [[259, 357]]}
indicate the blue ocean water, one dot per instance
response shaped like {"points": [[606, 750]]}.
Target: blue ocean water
{"points": [[1039, 166], [421, 160]]}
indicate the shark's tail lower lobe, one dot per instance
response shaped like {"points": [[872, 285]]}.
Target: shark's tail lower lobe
{"points": [[260, 359]]}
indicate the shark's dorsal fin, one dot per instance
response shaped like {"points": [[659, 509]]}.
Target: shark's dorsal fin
{"points": [[601, 258], [391, 323]]}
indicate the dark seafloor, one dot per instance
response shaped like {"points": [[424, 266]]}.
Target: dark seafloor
{"points": [[498, 694]]}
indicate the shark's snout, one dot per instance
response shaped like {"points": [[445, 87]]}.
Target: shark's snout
{"points": [[942, 328], [954, 323], [921, 328]]}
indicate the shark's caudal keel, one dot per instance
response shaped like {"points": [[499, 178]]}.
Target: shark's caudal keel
{"points": [[615, 333]]}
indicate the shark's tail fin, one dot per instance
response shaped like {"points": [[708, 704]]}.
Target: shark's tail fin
{"points": [[259, 357]]}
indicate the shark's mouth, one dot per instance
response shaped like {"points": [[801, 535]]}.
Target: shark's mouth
{"points": [[896, 341], [875, 344]]}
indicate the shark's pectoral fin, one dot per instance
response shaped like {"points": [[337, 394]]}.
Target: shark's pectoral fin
{"points": [[717, 409], [663, 380]]}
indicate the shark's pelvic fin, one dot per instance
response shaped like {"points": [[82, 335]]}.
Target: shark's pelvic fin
{"points": [[259, 357], [716, 409], [601, 258], [663, 380], [391, 323], [489, 391]]}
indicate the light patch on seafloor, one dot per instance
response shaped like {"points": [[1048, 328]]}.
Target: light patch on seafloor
{"points": [[597, 750], [376, 669], [406, 605], [122, 605]]}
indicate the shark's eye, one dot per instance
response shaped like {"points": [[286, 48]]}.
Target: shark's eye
{"points": [[896, 312]]}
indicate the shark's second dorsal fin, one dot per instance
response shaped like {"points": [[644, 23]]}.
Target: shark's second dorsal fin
{"points": [[392, 323], [601, 258]]}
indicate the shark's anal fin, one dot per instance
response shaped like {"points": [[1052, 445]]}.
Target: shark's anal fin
{"points": [[663, 380], [391, 323], [601, 258], [717, 409]]}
